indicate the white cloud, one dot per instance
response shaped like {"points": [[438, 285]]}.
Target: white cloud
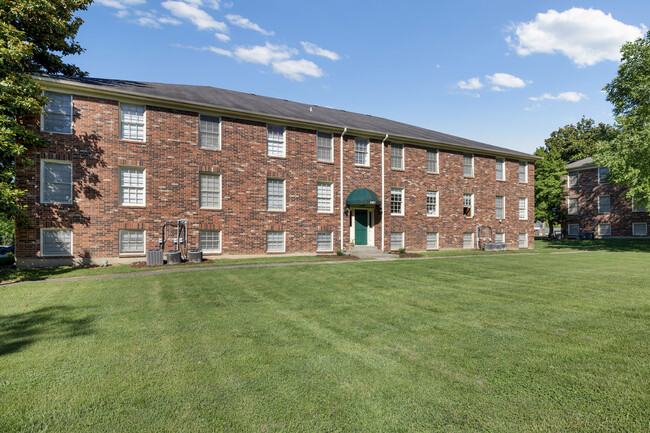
{"points": [[318, 51], [122, 13], [297, 69], [586, 36], [471, 84], [222, 37], [501, 80], [265, 54], [245, 23], [151, 19], [120, 4], [215, 50], [564, 96], [197, 16]]}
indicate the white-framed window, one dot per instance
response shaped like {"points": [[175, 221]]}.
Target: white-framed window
{"points": [[636, 207], [275, 141], [604, 204], [604, 229], [275, 194], [397, 201], [132, 241], [396, 240], [56, 242], [209, 132], [573, 229], [523, 172], [274, 242], [432, 203], [397, 156], [324, 197], [501, 168], [523, 240], [56, 181], [324, 241], [361, 151], [523, 208], [210, 241], [468, 205], [572, 179], [572, 205], [432, 241], [500, 207], [132, 186], [432, 161], [468, 165], [132, 122], [324, 147], [468, 240], [639, 229], [500, 238], [57, 113], [603, 172], [209, 191]]}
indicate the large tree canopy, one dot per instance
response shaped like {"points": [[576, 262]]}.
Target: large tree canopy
{"points": [[35, 35], [575, 142], [627, 155]]}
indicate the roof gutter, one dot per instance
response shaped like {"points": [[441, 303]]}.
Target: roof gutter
{"points": [[180, 103]]}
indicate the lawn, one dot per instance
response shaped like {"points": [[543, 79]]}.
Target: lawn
{"points": [[540, 342]]}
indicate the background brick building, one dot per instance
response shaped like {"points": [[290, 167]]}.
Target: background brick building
{"points": [[253, 175], [595, 206]]}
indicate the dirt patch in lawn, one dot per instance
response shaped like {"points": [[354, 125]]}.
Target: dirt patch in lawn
{"points": [[144, 264], [335, 257]]}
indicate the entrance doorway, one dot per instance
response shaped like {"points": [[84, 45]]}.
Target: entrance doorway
{"points": [[361, 226]]}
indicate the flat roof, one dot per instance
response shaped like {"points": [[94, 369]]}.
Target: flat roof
{"points": [[263, 106]]}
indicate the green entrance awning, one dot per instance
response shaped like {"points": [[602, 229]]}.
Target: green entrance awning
{"points": [[363, 196]]}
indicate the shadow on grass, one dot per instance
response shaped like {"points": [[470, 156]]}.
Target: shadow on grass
{"points": [[612, 245], [36, 274], [20, 330]]}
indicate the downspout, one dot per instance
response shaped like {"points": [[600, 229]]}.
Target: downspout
{"points": [[383, 193], [341, 183]]}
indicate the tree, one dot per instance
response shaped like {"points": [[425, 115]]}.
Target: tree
{"points": [[627, 154], [35, 35], [575, 142], [549, 186]]}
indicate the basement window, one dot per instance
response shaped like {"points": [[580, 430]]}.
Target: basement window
{"points": [[131, 241], [56, 242]]}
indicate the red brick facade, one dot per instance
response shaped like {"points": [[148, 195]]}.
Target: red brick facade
{"points": [[587, 191], [172, 161]]}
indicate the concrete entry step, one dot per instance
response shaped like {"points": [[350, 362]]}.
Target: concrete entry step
{"points": [[370, 252]]}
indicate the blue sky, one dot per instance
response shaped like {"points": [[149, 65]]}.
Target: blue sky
{"points": [[503, 72]]}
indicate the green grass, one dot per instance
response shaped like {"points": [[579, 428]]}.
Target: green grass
{"points": [[494, 343]]}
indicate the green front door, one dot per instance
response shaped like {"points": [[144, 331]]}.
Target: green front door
{"points": [[361, 227]]}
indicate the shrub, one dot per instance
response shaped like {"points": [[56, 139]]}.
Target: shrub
{"points": [[402, 250], [339, 252]]}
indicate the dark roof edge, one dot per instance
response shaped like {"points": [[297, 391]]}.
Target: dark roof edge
{"points": [[65, 82]]}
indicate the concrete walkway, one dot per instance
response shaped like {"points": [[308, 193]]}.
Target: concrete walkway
{"points": [[178, 269]]}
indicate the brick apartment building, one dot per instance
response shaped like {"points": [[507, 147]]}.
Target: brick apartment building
{"points": [[253, 175], [594, 206]]}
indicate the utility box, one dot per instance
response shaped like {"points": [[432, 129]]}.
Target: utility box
{"points": [[195, 256], [174, 257], [155, 257], [495, 246]]}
